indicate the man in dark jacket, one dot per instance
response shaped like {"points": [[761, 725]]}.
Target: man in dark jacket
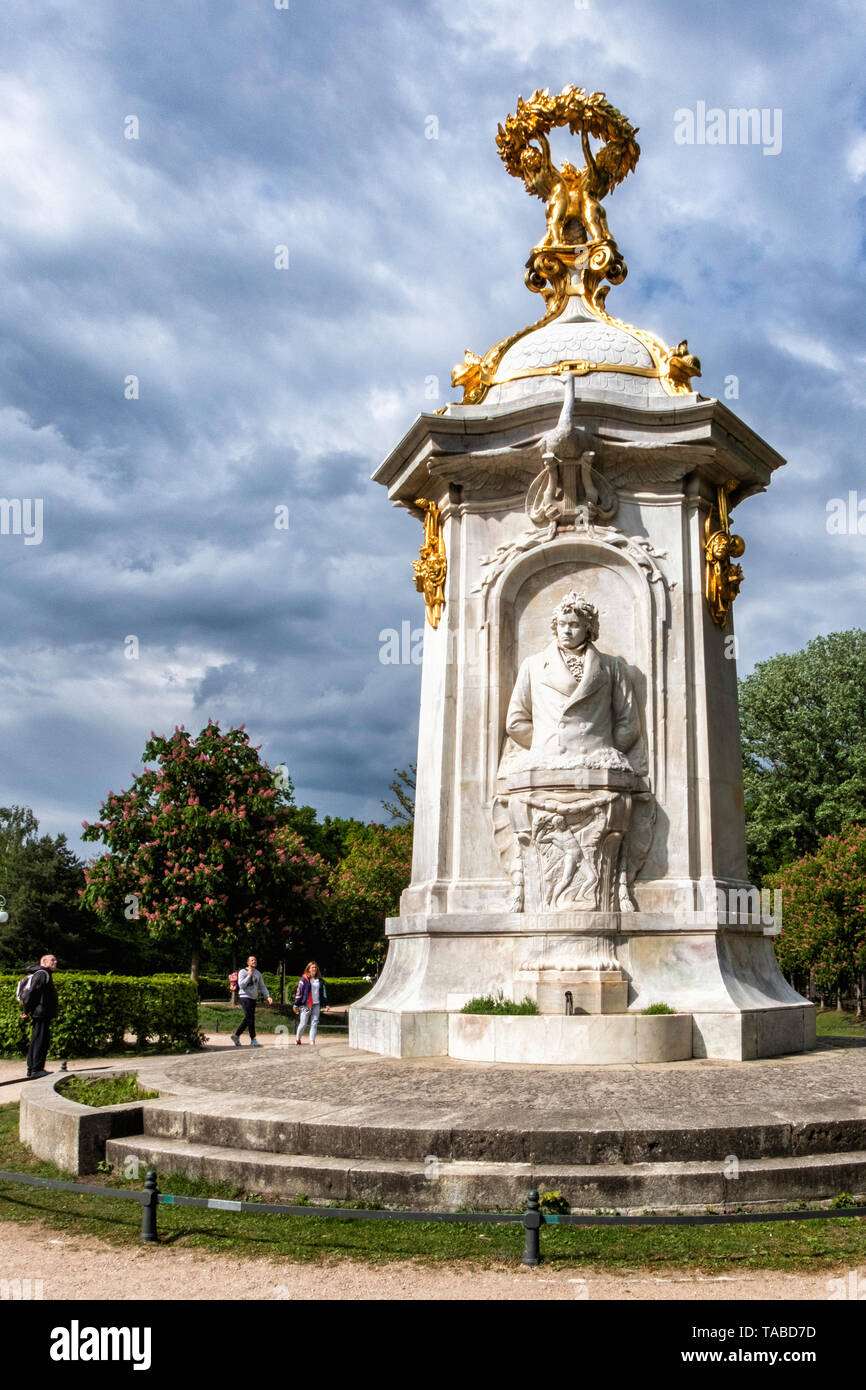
{"points": [[41, 1008]]}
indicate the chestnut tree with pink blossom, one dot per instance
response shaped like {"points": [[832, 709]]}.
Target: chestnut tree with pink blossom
{"points": [[823, 936], [197, 848]]}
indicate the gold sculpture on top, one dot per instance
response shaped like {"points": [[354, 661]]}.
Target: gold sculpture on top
{"points": [[577, 230], [432, 565], [577, 254], [723, 579]]}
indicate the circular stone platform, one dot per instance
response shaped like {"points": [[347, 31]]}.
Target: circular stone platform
{"points": [[435, 1133], [334, 1077]]}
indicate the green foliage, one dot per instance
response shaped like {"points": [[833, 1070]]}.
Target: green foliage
{"points": [[213, 986], [824, 912], [118, 1090], [41, 880], [658, 1009], [329, 838], [96, 1011], [803, 720], [553, 1202], [842, 1200], [194, 840], [402, 808], [495, 1004], [365, 888]]}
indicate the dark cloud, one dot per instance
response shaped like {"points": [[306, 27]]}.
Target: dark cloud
{"points": [[262, 388]]}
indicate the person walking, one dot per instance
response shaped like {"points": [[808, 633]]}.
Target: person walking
{"points": [[311, 997], [250, 986], [40, 1007]]}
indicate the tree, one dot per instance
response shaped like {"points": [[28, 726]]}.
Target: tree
{"points": [[823, 936], [403, 787], [41, 880], [193, 848], [803, 719], [328, 838], [366, 885]]}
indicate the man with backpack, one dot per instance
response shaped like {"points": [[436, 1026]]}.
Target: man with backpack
{"points": [[37, 996]]}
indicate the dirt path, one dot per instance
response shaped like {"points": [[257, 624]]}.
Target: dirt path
{"points": [[74, 1267]]}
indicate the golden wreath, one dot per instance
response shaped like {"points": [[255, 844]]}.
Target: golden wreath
{"points": [[572, 108]]}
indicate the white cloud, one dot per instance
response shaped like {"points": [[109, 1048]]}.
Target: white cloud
{"points": [[857, 159]]}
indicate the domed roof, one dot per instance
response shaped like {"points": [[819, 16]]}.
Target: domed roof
{"points": [[569, 267], [578, 341]]}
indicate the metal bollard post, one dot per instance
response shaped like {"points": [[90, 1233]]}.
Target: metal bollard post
{"points": [[148, 1208], [532, 1225]]}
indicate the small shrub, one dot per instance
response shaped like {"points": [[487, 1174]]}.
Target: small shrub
{"points": [[658, 1009], [843, 1199], [554, 1202], [496, 1004]]}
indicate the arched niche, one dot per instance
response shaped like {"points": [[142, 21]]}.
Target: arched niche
{"points": [[622, 580]]}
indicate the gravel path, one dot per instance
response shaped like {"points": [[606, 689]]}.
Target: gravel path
{"points": [[74, 1267]]}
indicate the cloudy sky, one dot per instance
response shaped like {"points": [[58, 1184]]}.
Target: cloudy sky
{"points": [[260, 388]]}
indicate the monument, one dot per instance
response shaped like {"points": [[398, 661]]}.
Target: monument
{"points": [[579, 832]]}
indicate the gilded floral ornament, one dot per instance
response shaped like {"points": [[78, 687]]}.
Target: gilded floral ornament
{"points": [[432, 565], [723, 579], [577, 230], [577, 253]]}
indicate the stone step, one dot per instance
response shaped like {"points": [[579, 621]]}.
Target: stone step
{"points": [[280, 1131], [476, 1185]]}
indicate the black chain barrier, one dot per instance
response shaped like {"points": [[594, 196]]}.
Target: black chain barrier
{"points": [[532, 1219]]}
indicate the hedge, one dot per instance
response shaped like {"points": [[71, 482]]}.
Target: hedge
{"points": [[343, 989], [95, 1011], [213, 986]]}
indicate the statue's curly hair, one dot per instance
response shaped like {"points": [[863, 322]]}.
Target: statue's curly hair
{"points": [[579, 604]]}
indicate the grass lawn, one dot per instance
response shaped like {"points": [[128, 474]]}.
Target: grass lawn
{"points": [[794, 1245], [831, 1023], [224, 1018], [118, 1090]]}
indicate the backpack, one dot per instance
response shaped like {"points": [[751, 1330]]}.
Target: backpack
{"points": [[24, 991], [233, 982]]}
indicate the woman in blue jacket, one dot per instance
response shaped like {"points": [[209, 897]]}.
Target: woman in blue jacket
{"points": [[310, 998]]}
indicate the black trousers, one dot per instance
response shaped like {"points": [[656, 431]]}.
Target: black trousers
{"points": [[249, 1008], [38, 1049]]}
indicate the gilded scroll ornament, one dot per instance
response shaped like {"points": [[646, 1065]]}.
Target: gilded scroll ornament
{"points": [[723, 579], [432, 565], [577, 253]]}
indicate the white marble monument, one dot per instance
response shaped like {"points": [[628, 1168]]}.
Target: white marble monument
{"points": [[579, 832]]}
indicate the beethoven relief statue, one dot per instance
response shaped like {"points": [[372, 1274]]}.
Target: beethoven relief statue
{"points": [[572, 770]]}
